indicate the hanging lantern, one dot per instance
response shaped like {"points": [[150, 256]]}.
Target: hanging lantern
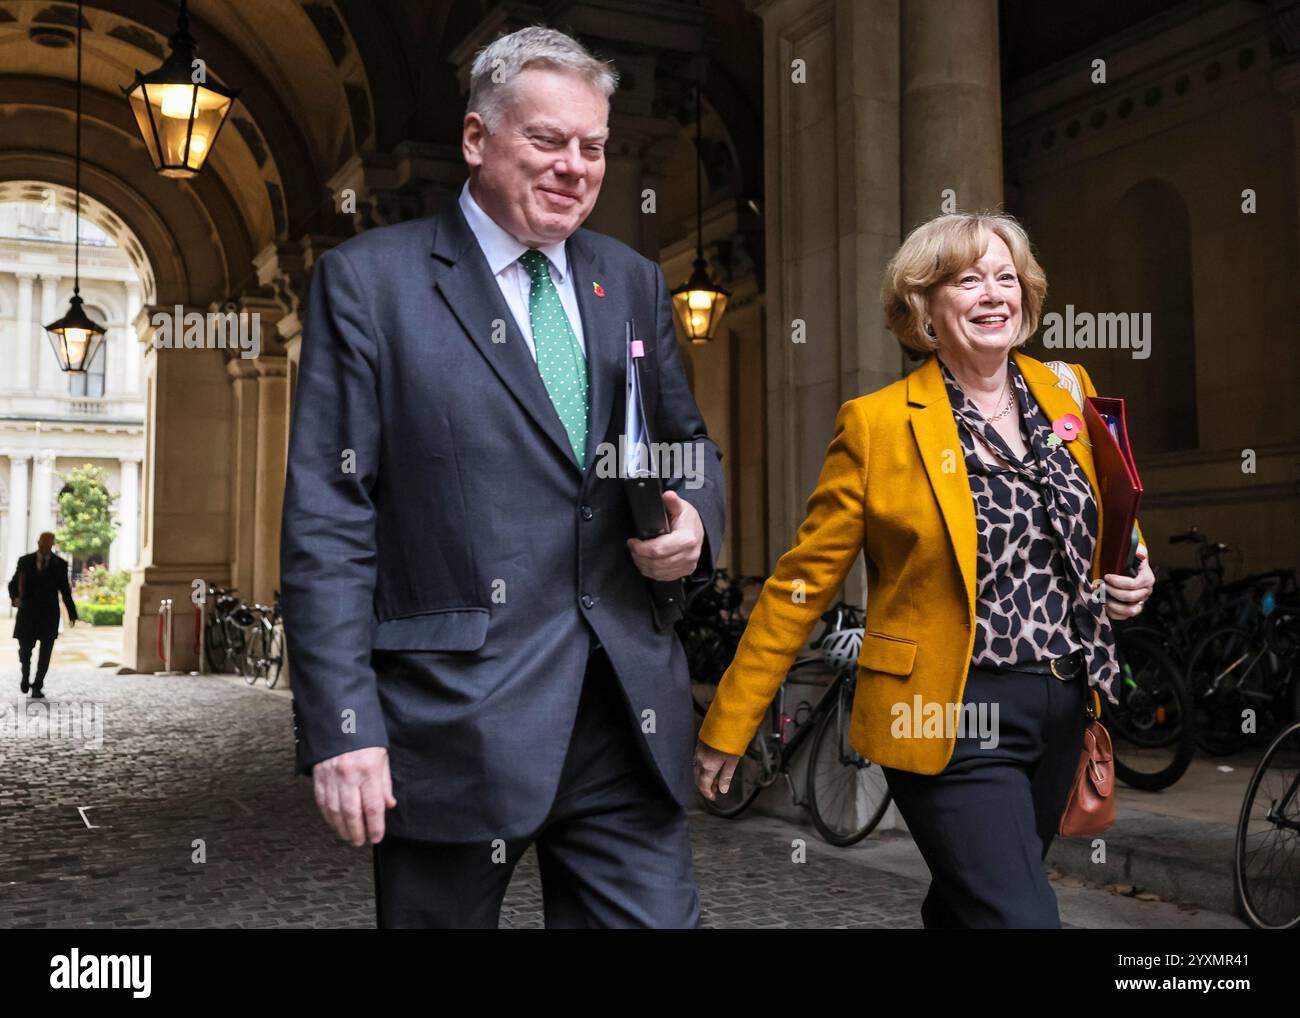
{"points": [[699, 302], [76, 337], [178, 117]]}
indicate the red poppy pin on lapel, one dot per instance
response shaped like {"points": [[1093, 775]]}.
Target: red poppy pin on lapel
{"points": [[600, 290], [1066, 428]]}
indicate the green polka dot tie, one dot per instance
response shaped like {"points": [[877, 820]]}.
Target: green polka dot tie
{"points": [[560, 360]]}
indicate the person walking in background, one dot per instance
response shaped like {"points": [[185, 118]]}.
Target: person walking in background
{"points": [[40, 579]]}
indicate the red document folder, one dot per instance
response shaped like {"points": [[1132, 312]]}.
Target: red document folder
{"points": [[1117, 476]]}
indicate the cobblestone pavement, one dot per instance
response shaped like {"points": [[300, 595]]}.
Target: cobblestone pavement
{"points": [[188, 815]]}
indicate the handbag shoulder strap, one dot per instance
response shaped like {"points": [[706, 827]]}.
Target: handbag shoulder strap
{"points": [[1069, 380]]}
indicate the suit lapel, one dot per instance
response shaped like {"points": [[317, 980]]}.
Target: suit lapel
{"points": [[467, 284], [935, 432], [603, 335], [937, 440], [472, 293], [1055, 401]]}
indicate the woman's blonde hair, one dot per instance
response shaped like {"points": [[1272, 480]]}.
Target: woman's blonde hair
{"points": [[936, 251]]}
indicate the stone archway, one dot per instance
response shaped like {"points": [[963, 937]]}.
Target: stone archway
{"points": [[241, 236]]}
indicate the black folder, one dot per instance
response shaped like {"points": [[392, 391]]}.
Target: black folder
{"points": [[645, 490]]}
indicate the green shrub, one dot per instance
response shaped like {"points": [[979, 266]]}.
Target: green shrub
{"points": [[100, 614]]}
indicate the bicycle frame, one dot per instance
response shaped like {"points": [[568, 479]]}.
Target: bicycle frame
{"points": [[1277, 811], [778, 763]]}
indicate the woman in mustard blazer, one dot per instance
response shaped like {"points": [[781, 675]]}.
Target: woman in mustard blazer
{"points": [[981, 528]]}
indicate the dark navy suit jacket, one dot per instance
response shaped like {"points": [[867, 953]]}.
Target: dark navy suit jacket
{"points": [[445, 563], [38, 614]]}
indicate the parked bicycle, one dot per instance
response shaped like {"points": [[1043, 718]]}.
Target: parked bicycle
{"points": [[243, 638], [845, 793], [1245, 676], [1152, 728], [225, 629], [1266, 861], [1235, 643], [263, 655]]}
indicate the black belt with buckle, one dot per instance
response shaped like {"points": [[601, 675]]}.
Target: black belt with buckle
{"points": [[1071, 666]]}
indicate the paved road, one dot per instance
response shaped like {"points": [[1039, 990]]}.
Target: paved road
{"points": [[187, 815]]}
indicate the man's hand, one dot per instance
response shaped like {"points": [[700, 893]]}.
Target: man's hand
{"points": [[675, 554], [713, 770], [16, 602], [352, 791], [1125, 595]]}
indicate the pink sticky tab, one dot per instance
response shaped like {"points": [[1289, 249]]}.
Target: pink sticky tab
{"points": [[638, 350]]}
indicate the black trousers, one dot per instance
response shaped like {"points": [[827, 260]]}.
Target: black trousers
{"points": [[42, 659], [614, 851], [984, 823]]}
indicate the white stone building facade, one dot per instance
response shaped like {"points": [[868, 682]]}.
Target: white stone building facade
{"points": [[51, 421]]}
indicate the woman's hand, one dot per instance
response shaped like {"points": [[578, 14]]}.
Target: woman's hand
{"points": [[1125, 595], [713, 770]]}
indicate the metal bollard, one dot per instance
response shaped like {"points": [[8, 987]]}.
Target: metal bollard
{"points": [[165, 621]]}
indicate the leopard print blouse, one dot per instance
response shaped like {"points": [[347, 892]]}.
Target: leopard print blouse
{"points": [[1037, 524]]}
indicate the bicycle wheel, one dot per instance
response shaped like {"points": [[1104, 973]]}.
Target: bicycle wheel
{"points": [[1266, 863], [250, 663], [847, 793], [236, 638], [1166, 639], [1222, 667], [275, 655], [1152, 728], [214, 645]]}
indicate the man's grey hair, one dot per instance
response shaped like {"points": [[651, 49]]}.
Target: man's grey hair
{"points": [[496, 68]]}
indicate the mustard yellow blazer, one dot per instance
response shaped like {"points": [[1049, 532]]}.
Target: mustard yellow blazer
{"points": [[893, 485]]}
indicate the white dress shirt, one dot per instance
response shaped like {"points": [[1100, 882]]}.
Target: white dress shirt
{"points": [[502, 252]]}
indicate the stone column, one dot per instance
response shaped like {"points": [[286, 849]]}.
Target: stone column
{"points": [[18, 543], [23, 339], [831, 141], [951, 108], [263, 395], [870, 108], [272, 458], [47, 368], [243, 474], [42, 518], [186, 512], [132, 354], [127, 544], [115, 350]]}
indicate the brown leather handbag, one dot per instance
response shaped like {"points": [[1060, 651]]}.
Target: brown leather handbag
{"points": [[1090, 808]]}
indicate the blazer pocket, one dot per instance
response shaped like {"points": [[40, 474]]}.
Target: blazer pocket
{"points": [[446, 629], [891, 654]]}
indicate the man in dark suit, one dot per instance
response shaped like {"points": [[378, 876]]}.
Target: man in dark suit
{"points": [[475, 663], [35, 588]]}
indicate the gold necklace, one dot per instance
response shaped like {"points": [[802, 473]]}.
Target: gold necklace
{"points": [[1006, 408]]}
